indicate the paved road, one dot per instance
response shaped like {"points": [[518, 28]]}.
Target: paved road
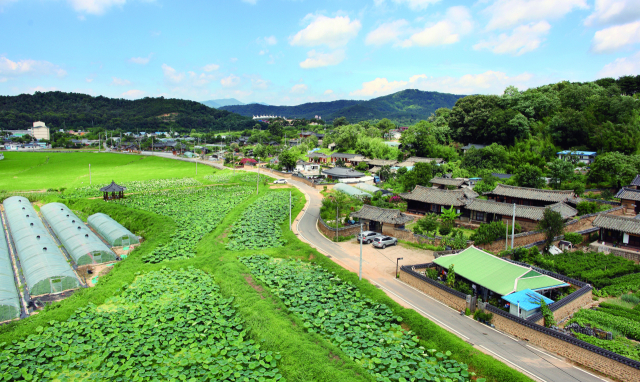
{"points": [[534, 362]]}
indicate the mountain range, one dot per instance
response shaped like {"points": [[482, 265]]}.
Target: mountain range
{"points": [[406, 106], [218, 103]]}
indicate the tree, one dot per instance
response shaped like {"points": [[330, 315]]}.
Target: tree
{"points": [[385, 125], [560, 171], [552, 225], [529, 176], [421, 174], [385, 173], [340, 121], [448, 216], [614, 169], [451, 277], [275, 129], [287, 159], [362, 166], [427, 224]]}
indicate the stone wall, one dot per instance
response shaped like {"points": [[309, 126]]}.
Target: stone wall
{"points": [[556, 344], [570, 308], [342, 231], [405, 234], [440, 294], [627, 254]]}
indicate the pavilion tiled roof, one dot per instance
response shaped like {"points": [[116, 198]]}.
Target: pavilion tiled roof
{"points": [[551, 196], [448, 181], [456, 198], [628, 194], [384, 215], [113, 187], [525, 212], [635, 181], [618, 223]]}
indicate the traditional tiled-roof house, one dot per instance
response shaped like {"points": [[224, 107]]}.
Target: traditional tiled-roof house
{"points": [[620, 230], [487, 211], [444, 183], [529, 196], [374, 218], [344, 157], [630, 200], [472, 145], [318, 157], [425, 199]]}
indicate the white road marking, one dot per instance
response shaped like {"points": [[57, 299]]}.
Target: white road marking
{"points": [[594, 376], [514, 365], [545, 353]]}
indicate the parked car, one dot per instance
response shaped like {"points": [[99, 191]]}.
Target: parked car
{"points": [[280, 181], [384, 241], [367, 236]]}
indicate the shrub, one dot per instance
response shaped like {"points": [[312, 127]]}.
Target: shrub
{"points": [[574, 238], [488, 233], [445, 229], [479, 315], [585, 208]]}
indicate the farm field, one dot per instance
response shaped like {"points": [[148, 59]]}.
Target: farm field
{"points": [[265, 338], [38, 171]]}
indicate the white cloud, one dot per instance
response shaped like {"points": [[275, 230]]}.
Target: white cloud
{"points": [[457, 22], [258, 83], [233, 59], [319, 59], [387, 32], [172, 75], [328, 91], [89, 79], [333, 32], [524, 38], [622, 67], [252, 2], [299, 88], [231, 81], [95, 7], [614, 12], [490, 82], [211, 67], [133, 93], [269, 40], [10, 68], [263, 52], [615, 37], [508, 13], [141, 60], [120, 82]]}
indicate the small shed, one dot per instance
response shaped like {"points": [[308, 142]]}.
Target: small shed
{"points": [[117, 191], [374, 217], [525, 303]]}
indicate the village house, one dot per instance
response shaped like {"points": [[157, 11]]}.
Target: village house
{"points": [[630, 199], [373, 218], [426, 199], [529, 196], [346, 158], [585, 157], [318, 157], [619, 231], [342, 173], [445, 183], [472, 145]]}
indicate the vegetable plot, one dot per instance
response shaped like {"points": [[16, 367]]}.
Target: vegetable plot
{"points": [[259, 225], [605, 320], [168, 325], [220, 177], [254, 177], [196, 212], [134, 187], [365, 330]]}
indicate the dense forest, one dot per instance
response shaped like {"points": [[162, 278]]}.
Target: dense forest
{"points": [[82, 112], [403, 107]]}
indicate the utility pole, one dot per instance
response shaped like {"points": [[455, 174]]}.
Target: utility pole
{"points": [[506, 236], [513, 225], [258, 180], [337, 221], [290, 210], [99, 142], [361, 240], [89, 174]]}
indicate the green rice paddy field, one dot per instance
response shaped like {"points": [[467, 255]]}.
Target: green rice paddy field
{"points": [[220, 290]]}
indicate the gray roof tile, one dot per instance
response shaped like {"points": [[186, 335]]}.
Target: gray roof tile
{"points": [[526, 212], [448, 181], [456, 198], [618, 223], [552, 196], [384, 215], [628, 194]]}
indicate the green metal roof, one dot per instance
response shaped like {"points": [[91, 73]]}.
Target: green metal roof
{"points": [[496, 274]]}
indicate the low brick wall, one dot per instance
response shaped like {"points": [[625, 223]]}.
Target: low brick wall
{"points": [[627, 254], [578, 351], [405, 234], [430, 287], [342, 231]]}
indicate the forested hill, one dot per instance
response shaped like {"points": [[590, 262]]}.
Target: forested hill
{"points": [[404, 107], [81, 112]]}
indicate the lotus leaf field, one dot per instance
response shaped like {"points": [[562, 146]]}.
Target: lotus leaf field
{"points": [[220, 177], [196, 212], [134, 187], [259, 225], [366, 331], [254, 177], [167, 325]]}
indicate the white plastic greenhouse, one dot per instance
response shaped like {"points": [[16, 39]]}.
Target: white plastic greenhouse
{"points": [[43, 264], [80, 242], [9, 298], [112, 231], [350, 190]]}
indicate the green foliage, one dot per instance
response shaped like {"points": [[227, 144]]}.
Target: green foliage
{"points": [[365, 330], [618, 345], [196, 211], [600, 319], [614, 169], [123, 338], [451, 276], [622, 285], [421, 174], [480, 315], [288, 159], [449, 215], [426, 224], [560, 171], [488, 233], [529, 176], [552, 225], [143, 186], [549, 319], [573, 238], [259, 226]]}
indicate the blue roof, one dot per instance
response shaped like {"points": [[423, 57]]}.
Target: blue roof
{"points": [[577, 152], [527, 299]]}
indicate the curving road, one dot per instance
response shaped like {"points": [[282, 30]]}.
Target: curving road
{"points": [[534, 362]]}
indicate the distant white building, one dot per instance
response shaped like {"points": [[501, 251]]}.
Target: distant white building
{"points": [[40, 131]]}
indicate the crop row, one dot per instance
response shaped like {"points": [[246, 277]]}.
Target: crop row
{"points": [[594, 268], [603, 320], [621, 285], [617, 310], [618, 345], [168, 325], [134, 186], [253, 177], [259, 225], [196, 212], [366, 331], [220, 177]]}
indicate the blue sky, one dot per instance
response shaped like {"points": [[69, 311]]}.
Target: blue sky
{"points": [[285, 52]]}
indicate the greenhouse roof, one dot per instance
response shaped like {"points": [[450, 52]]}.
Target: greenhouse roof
{"points": [[40, 258], [350, 190], [80, 242], [8, 291], [110, 230], [496, 274]]}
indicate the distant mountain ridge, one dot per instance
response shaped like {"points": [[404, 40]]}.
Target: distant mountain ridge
{"points": [[406, 106], [218, 103]]}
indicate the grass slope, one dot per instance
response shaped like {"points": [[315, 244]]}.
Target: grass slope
{"points": [[38, 171]]}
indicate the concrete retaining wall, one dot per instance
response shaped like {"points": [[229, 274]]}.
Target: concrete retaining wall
{"points": [[627, 254]]}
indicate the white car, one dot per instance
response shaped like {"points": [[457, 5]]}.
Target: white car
{"points": [[280, 181]]}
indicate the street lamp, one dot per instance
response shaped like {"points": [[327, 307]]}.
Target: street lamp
{"points": [[397, 265]]}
